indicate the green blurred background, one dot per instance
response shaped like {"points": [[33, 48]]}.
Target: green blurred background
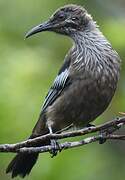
{"points": [[27, 68]]}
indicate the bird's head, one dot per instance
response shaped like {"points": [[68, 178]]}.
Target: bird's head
{"points": [[66, 20]]}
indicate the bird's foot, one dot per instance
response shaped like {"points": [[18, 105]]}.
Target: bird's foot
{"points": [[55, 148], [102, 140], [106, 132], [101, 134]]}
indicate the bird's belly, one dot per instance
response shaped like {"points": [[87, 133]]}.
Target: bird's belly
{"points": [[80, 104]]}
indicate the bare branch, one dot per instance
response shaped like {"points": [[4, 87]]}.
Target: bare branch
{"points": [[107, 129]]}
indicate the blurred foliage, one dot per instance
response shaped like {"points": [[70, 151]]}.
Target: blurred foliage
{"points": [[27, 68]]}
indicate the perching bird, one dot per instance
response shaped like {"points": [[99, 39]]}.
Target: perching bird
{"points": [[85, 84]]}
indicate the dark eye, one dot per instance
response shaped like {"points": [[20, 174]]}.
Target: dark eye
{"points": [[61, 16]]}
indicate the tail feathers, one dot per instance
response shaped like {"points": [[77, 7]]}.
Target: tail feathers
{"points": [[22, 164]]}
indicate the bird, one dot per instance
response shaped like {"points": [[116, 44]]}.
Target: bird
{"points": [[85, 83]]}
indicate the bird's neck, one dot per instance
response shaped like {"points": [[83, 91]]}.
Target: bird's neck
{"points": [[93, 53], [88, 45]]}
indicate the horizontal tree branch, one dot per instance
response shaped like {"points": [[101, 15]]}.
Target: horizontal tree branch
{"points": [[107, 129]]}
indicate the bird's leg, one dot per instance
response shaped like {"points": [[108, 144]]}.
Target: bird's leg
{"points": [[54, 144]]}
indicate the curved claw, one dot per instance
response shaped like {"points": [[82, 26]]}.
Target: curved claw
{"points": [[102, 140]]}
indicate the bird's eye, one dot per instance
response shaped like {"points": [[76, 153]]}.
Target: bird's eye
{"points": [[61, 16]]}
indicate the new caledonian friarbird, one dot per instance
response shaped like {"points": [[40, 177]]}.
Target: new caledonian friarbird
{"points": [[84, 86]]}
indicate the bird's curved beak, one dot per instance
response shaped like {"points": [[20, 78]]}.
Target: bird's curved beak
{"points": [[39, 28]]}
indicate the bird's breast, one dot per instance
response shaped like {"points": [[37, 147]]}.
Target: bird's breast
{"points": [[81, 102], [93, 74]]}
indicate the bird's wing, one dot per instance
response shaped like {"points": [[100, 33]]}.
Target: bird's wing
{"points": [[59, 84]]}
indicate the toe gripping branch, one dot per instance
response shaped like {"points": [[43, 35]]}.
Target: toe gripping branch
{"points": [[55, 146], [105, 132]]}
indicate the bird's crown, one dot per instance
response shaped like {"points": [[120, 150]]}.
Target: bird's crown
{"points": [[74, 16]]}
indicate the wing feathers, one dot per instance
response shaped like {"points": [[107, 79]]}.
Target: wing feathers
{"points": [[57, 87]]}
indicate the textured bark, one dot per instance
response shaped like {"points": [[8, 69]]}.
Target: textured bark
{"points": [[107, 129]]}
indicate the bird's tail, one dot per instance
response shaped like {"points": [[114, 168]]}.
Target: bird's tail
{"points": [[22, 164]]}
